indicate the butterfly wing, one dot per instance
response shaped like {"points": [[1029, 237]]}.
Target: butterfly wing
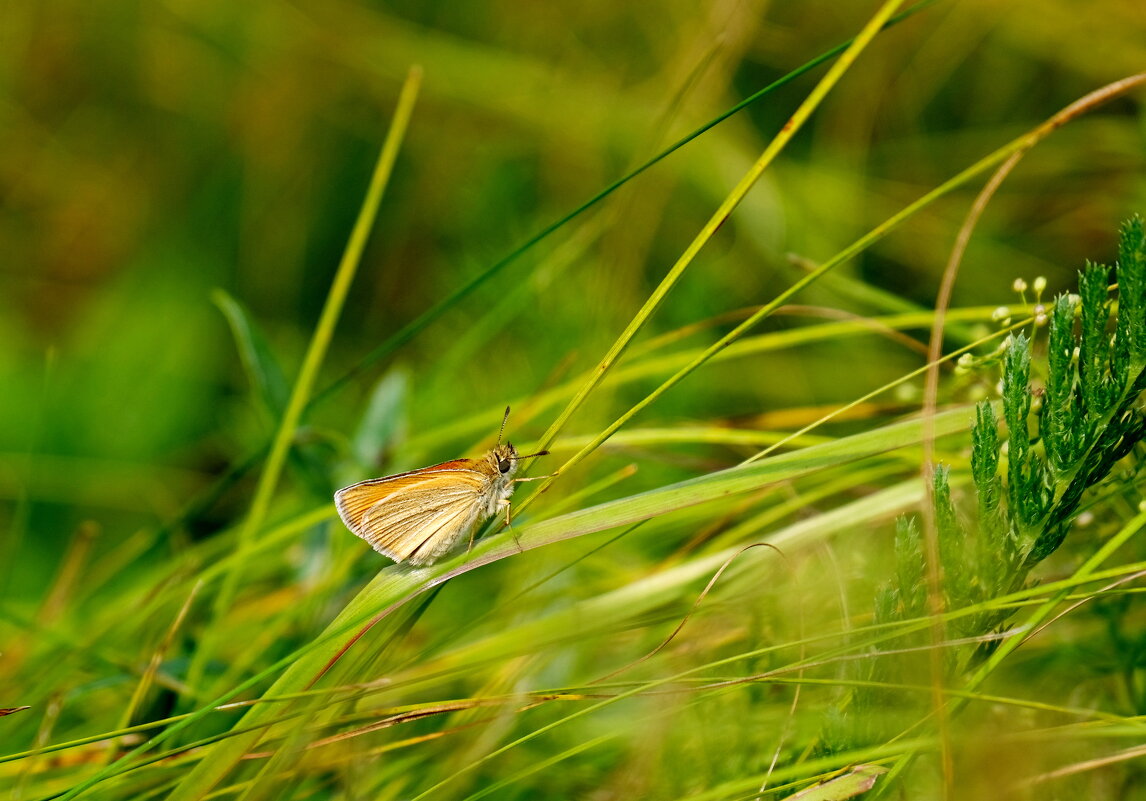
{"points": [[415, 517]]}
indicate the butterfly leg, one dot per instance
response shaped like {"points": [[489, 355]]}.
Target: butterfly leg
{"points": [[509, 524]]}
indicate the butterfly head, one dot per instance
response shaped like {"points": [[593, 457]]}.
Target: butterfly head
{"points": [[504, 459]]}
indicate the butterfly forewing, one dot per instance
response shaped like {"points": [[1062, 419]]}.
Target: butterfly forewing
{"points": [[415, 517]]}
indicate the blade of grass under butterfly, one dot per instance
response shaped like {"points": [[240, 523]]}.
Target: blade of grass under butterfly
{"points": [[395, 586]]}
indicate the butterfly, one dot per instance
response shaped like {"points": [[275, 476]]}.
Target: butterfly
{"points": [[419, 516]]}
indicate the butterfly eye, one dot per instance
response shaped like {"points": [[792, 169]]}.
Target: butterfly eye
{"points": [[504, 465]]}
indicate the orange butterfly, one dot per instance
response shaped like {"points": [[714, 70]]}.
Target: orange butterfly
{"points": [[419, 516]]}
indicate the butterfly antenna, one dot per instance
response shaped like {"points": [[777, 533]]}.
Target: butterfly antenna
{"points": [[501, 431], [519, 457]]}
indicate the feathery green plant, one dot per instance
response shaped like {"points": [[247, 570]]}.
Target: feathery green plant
{"points": [[187, 654], [1061, 442], [1088, 419]]}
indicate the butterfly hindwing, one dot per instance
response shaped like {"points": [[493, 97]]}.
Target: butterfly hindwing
{"points": [[439, 533]]}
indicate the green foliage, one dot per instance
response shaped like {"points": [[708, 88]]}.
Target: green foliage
{"points": [[259, 363], [1110, 378], [955, 551], [1028, 488], [1131, 336], [255, 649], [911, 592], [998, 549], [1061, 424], [1095, 379], [1089, 419]]}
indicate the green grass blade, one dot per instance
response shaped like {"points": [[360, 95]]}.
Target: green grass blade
{"points": [[268, 480], [1085, 572], [861, 244], [262, 368], [394, 586], [719, 217], [414, 327]]}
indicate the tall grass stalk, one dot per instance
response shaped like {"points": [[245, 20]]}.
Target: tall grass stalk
{"points": [[630, 639]]}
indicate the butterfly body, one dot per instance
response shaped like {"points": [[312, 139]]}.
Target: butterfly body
{"points": [[419, 516]]}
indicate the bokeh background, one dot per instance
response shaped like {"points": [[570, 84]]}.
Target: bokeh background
{"points": [[154, 153]]}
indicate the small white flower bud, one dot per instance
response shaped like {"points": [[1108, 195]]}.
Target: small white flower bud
{"points": [[1020, 285]]}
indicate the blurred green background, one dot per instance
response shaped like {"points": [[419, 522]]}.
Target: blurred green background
{"points": [[151, 153]]}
